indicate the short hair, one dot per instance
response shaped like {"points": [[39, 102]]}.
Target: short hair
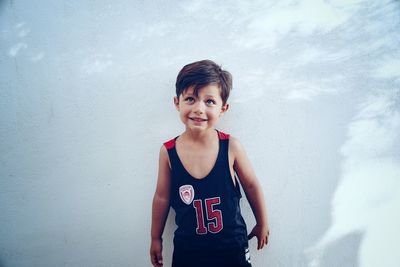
{"points": [[202, 73]]}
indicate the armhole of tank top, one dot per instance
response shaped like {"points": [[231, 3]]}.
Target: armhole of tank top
{"points": [[169, 159], [237, 185], [234, 180], [170, 146]]}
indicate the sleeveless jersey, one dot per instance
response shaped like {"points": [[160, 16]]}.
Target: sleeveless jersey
{"points": [[207, 210]]}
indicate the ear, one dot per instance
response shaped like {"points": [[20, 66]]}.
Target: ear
{"points": [[224, 109], [176, 103]]}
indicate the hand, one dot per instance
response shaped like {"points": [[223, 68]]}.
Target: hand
{"points": [[156, 252], [262, 234]]}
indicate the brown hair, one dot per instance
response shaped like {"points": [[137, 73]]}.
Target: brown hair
{"points": [[202, 73]]}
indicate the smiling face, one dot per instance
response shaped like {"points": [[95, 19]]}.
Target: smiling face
{"points": [[200, 112]]}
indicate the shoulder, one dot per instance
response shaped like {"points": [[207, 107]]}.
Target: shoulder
{"points": [[164, 157], [163, 152], [235, 147], [235, 144]]}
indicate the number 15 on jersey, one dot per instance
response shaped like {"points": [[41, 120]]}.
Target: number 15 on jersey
{"points": [[213, 216]]}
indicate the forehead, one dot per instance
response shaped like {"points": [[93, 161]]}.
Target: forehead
{"points": [[211, 90]]}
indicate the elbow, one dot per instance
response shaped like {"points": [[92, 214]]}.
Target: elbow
{"points": [[161, 199]]}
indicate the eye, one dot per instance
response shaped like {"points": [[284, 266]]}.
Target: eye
{"points": [[210, 102], [189, 99]]}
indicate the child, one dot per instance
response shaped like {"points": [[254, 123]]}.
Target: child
{"points": [[197, 178]]}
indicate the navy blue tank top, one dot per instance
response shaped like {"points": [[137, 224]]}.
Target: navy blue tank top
{"points": [[207, 210]]}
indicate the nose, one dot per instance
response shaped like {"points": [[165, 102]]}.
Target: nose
{"points": [[199, 107]]}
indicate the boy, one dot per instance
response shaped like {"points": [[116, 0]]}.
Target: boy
{"points": [[197, 178]]}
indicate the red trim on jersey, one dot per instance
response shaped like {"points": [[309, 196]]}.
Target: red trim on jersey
{"points": [[223, 136], [170, 144]]}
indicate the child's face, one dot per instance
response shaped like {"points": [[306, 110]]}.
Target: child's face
{"points": [[203, 111]]}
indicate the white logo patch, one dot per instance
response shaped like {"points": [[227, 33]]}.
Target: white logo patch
{"points": [[186, 193]]}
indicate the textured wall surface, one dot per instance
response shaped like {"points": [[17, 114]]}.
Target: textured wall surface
{"points": [[86, 92]]}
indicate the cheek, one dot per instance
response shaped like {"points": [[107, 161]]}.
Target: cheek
{"points": [[214, 114], [184, 112]]}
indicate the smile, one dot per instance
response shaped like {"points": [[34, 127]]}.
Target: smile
{"points": [[198, 119]]}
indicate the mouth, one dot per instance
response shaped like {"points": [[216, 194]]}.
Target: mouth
{"points": [[198, 119]]}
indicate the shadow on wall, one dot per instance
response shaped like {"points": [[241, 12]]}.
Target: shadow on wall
{"points": [[367, 196], [343, 252]]}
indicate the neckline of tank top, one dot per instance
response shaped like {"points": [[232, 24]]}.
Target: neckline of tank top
{"points": [[221, 136], [171, 143]]}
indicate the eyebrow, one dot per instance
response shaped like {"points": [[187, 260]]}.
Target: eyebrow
{"points": [[188, 95], [193, 95]]}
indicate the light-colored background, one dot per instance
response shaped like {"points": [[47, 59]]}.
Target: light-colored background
{"points": [[86, 101]]}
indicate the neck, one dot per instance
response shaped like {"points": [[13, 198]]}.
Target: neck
{"points": [[199, 136]]}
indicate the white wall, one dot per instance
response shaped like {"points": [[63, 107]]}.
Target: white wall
{"points": [[86, 102]]}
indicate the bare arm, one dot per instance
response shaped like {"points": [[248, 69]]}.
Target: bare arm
{"points": [[160, 208], [253, 191]]}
